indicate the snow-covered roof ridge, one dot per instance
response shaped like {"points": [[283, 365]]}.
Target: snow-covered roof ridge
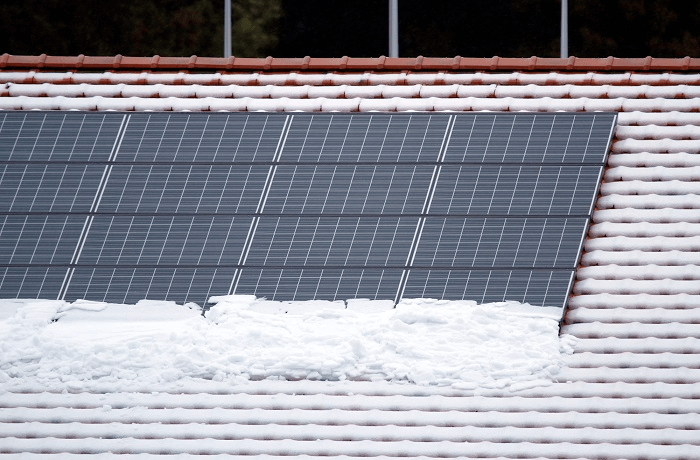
{"points": [[630, 389]]}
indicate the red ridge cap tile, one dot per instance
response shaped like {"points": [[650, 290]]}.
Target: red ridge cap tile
{"points": [[135, 63], [210, 63], [327, 63], [401, 63], [286, 63], [175, 63], [475, 63], [67, 62], [433, 63], [363, 63], [382, 63], [100, 62], [248, 64]]}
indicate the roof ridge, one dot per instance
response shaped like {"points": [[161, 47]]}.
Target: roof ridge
{"points": [[347, 64]]}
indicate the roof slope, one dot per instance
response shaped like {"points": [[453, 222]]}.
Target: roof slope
{"points": [[630, 390]]}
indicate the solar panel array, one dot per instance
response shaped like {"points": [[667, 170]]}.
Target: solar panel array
{"points": [[125, 206]]}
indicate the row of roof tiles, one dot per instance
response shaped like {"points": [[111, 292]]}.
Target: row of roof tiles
{"points": [[353, 79], [350, 91], [357, 104], [382, 63]]}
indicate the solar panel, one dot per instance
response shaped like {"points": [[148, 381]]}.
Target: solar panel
{"points": [[182, 206]]}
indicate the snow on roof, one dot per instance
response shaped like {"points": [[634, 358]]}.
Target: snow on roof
{"points": [[630, 388]]}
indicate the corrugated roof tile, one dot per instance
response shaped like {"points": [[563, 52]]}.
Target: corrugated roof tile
{"points": [[635, 310]]}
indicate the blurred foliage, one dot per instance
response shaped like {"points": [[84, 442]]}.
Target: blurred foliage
{"points": [[137, 28], [328, 28], [635, 28]]}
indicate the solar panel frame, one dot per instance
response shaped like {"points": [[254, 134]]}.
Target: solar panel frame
{"points": [[186, 171]]}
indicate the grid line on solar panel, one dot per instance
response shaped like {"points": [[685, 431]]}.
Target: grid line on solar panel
{"points": [[56, 136]]}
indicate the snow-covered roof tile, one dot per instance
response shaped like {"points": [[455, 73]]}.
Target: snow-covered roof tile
{"points": [[628, 391]]}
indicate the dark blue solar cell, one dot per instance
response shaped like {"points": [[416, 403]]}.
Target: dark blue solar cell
{"points": [[176, 137], [21, 282], [349, 189], [332, 241], [536, 287]]}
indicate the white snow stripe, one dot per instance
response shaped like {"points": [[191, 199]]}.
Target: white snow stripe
{"points": [[344, 418], [665, 215], [631, 286], [647, 159], [656, 145], [680, 375], [545, 443], [603, 301], [345, 436], [646, 272], [652, 131], [677, 229], [688, 345], [279, 396], [630, 315], [649, 244], [658, 118], [659, 360], [146, 98], [596, 329], [650, 201], [639, 187]]}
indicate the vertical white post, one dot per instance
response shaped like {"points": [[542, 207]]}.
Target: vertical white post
{"points": [[564, 49], [227, 28], [393, 28]]}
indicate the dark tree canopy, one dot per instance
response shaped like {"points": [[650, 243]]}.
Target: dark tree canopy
{"points": [[329, 28], [137, 28]]}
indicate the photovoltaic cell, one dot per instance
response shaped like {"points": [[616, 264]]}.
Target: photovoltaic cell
{"points": [[348, 189], [182, 188], [181, 206], [57, 136], [332, 241], [515, 190]]}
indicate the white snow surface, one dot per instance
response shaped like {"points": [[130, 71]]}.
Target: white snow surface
{"points": [[57, 345]]}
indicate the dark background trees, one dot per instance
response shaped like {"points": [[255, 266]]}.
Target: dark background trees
{"points": [[324, 28]]}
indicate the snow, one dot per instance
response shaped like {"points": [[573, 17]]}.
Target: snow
{"points": [[638, 257], [668, 118], [439, 91], [328, 92], [632, 286], [604, 300], [669, 215], [483, 91], [646, 159], [631, 315], [655, 173], [652, 131], [644, 272], [292, 92], [656, 145], [59, 346], [401, 91], [638, 187], [643, 229], [649, 201]]}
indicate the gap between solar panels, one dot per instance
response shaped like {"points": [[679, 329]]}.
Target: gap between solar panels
{"points": [[120, 207]]}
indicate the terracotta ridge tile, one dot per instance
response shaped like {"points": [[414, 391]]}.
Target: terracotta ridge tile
{"points": [[348, 64]]}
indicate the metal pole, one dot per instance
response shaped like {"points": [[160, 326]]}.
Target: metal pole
{"points": [[227, 28], [564, 50], [393, 28]]}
